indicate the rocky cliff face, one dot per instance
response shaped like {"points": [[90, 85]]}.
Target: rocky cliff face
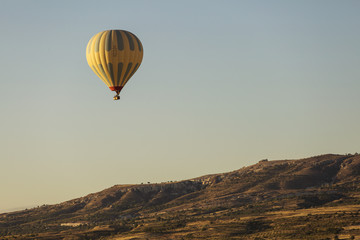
{"points": [[331, 176], [259, 179], [256, 182], [147, 194]]}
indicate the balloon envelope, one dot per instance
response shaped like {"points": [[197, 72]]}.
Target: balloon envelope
{"points": [[114, 56]]}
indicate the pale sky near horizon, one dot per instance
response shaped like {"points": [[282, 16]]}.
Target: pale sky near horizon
{"points": [[223, 84]]}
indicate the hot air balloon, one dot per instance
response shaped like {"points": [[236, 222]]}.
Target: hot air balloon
{"points": [[114, 55]]}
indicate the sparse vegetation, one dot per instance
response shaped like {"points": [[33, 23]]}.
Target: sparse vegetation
{"points": [[315, 198]]}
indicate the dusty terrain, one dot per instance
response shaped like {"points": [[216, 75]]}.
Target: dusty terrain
{"points": [[313, 198]]}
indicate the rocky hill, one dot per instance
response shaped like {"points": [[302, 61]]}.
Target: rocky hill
{"points": [[312, 198]]}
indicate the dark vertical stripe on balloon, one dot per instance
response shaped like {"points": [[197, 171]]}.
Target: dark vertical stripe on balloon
{"points": [[138, 42], [131, 42], [95, 70], [108, 41], [103, 72], [120, 41], [127, 72], [120, 67], [97, 43], [111, 71], [133, 71]]}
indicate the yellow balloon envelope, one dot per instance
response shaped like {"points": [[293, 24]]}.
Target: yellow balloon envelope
{"points": [[114, 55]]}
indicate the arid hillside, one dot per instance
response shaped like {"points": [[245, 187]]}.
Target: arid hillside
{"points": [[312, 198]]}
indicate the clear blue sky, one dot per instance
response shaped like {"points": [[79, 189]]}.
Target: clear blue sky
{"points": [[222, 85]]}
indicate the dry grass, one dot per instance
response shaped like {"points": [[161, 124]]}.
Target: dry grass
{"points": [[270, 200]]}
